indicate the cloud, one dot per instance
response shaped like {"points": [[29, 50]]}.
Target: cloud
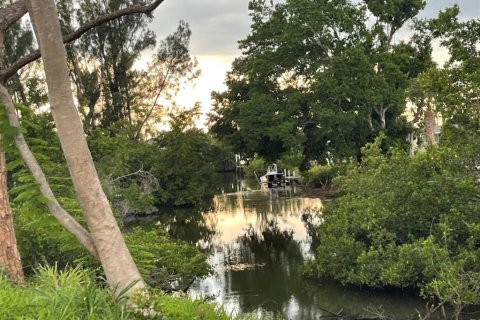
{"points": [[469, 8], [216, 25]]}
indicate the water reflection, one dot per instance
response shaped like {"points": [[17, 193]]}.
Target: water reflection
{"points": [[259, 242]]}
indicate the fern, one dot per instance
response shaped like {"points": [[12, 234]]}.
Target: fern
{"points": [[39, 235]]}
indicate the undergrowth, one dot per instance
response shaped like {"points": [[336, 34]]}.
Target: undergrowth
{"points": [[75, 294]]}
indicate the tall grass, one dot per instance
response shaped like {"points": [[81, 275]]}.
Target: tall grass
{"points": [[55, 294], [75, 294]]}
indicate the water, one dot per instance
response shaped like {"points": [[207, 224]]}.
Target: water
{"points": [[258, 244]]}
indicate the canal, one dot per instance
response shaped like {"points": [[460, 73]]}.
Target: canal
{"points": [[259, 241]]}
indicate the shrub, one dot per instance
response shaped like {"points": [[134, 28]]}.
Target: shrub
{"points": [[257, 165], [318, 176], [162, 260], [397, 217], [53, 294], [75, 294]]}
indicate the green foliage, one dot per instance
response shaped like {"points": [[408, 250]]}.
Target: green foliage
{"points": [[318, 176], [456, 282], [177, 168], [75, 294], [317, 78], [39, 236], [398, 218], [54, 294], [185, 167], [183, 308], [161, 259], [257, 165], [291, 161], [456, 86], [125, 169]]}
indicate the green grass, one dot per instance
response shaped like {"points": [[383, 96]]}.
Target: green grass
{"points": [[54, 294], [74, 294]]}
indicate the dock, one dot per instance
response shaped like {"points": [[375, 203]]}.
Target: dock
{"points": [[273, 178], [290, 177]]}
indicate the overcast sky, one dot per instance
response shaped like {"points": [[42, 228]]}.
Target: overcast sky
{"points": [[217, 25]]}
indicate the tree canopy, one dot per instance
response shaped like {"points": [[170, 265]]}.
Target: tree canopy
{"points": [[319, 78]]}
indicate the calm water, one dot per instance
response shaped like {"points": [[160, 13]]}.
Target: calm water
{"points": [[258, 244]]}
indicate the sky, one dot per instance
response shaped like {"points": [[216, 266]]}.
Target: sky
{"points": [[216, 27]]}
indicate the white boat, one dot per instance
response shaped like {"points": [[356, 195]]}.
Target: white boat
{"points": [[273, 178]]}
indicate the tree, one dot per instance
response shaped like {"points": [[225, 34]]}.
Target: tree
{"points": [[426, 95], [119, 267], [10, 261], [389, 227], [112, 92], [171, 66], [461, 93], [9, 255], [315, 77], [13, 12], [107, 92]]}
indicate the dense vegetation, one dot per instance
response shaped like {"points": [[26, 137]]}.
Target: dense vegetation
{"points": [[75, 294], [321, 86], [327, 80], [333, 86], [141, 168]]}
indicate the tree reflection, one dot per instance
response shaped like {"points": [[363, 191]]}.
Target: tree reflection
{"points": [[271, 241], [311, 218], [188, 224]]}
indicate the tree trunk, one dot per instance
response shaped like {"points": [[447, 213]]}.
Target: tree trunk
{"points": [[429, 122], [118, 265], [10, 260]]}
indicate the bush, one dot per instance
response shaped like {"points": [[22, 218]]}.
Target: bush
{"points": [[53, 294], [397, 217], [163, 261], [185, 168], [257, 165], [74, 294], [456, 282], [318, 176], [291, 161]]}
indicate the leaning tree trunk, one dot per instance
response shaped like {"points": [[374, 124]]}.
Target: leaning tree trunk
{"points": [[117, 263], [10, 260]]}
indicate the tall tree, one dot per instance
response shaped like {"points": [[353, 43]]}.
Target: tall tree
{"points": [[10, 261], [112, 90], [171, 66], [462, 39], [106, 85], [10, 14], [316, 74], [119, 267]]}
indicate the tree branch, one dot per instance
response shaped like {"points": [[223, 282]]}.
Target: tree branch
{"points": [[11, 14], [20, 63]]}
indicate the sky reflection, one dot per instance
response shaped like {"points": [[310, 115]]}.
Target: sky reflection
{"points": [[259, 245]]}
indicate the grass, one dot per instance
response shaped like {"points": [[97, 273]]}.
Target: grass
{"points": [[75, 294], [53, 294]]}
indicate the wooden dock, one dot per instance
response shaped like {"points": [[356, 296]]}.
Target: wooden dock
{"points": [[290, 177]]}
